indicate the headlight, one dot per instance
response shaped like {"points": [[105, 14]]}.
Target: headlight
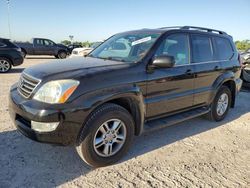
{"points": [[56, 91]]}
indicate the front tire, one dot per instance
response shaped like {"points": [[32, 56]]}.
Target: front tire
{"points": [[110, 131], [221, 104], [5, 65]]}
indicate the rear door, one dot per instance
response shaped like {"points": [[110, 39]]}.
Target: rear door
{"points": [[207, 68], [171, 89]]}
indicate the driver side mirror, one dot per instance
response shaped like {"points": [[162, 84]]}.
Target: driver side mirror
{"points": [[164, 61]]}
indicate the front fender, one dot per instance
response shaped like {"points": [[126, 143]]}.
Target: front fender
{"points": [[131, 92]]}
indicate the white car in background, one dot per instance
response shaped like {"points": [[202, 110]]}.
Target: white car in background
{"points": [[85, 50]]}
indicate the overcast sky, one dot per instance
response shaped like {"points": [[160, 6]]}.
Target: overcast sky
{"points": [[96, 19]]}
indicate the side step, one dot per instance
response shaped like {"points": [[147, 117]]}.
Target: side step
{"points": [[174, 119]]}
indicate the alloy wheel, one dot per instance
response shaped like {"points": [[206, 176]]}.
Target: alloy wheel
{"points": [[4, 65], [109, 138], [222, 104]]}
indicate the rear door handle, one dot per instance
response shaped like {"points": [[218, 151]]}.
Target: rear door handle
{"points": [[189, 72], [216, 68]]}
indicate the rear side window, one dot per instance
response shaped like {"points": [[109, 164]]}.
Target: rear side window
{"points": [[223, 48], [39, 42], [201, 49]]}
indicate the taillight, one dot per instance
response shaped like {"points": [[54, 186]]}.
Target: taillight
{"points": [[240, 61]]}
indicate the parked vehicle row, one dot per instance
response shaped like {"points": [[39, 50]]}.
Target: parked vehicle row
{"points": [[41, 46], [71, 47], [133, 82], [83, 51], [10, 55], [245, 76]]}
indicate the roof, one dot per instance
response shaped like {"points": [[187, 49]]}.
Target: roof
{"points": [[192, 28]]}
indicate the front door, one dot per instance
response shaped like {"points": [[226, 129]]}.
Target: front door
{"points": [[171, 89]]}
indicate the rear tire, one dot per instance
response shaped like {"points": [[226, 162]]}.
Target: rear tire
{"points": [[107, 140], [5, 65], [220, 105]]}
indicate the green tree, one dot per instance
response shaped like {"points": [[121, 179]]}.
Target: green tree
{"points": [[242, 45], [66, 42]]}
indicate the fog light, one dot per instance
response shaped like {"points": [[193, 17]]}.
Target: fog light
{"points": [[44, 126]]}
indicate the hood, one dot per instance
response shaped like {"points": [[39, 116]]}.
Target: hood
{"points": [[71, 67], [61, 45]]}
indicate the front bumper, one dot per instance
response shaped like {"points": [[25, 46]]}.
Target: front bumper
{"points": [[22, 111]]}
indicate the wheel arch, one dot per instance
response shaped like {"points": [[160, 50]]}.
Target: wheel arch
{"points": [[7, 57], [131, 101], [226, 79]]}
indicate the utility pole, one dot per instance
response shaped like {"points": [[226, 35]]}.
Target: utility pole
{"points": [[71, 38], [8, 6]]}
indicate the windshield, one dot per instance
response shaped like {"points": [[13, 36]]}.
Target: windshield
{"points": [[94, 45], [125, 47]]}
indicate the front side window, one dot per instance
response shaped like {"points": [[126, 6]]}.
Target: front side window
{"points": [[125, 47], [201, 49], [175, 45], [223, 48], [48, 43]]}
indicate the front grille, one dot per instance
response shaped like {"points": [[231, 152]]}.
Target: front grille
{"points": [[27, 85]]}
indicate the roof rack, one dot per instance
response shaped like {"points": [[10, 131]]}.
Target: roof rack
{"points": [[196, 28]]}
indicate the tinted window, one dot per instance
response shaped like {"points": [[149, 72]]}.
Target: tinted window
{"points": [[201, 49], [223, 48], [177, 46], [48, 43], [39, 42]]}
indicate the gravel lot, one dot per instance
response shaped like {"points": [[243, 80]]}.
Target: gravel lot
{"points": [[196, 153]]}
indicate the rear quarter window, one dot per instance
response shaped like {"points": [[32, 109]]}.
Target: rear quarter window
{"points": [[201, 48], [224, 50]]}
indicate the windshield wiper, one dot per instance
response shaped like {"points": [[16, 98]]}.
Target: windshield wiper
{"points": [[113, 59]]}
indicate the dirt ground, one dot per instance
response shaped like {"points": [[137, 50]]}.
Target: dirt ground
{"points": [[196, 153]]}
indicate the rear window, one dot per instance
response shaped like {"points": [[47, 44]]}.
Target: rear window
{"points": [[223, 48], [201, 49]]}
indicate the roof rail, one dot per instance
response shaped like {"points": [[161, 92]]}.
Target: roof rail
{"points": [[195, 28], [204, 29]]}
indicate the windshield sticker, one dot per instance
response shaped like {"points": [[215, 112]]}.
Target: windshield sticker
{"points": [[141, 40]]}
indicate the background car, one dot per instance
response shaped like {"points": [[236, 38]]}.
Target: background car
{"points": [[84, 51], [41, 46], [10, 55], [245, 74], [71, 47]]}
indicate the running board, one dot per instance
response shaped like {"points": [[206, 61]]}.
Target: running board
{"points": [[174, 119]]}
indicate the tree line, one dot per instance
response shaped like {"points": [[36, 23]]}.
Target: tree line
{"points": [[84, 44], [243, 45]]}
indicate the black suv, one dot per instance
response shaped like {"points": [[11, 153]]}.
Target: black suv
{"points": [[135, 81], [10, 55]]}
